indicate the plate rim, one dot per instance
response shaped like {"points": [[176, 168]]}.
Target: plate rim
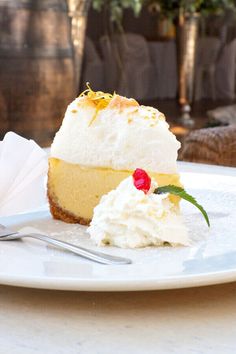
{"points": [[101, 285]]}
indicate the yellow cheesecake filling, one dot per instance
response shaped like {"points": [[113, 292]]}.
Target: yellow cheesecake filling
{"points": [[78, 189]]}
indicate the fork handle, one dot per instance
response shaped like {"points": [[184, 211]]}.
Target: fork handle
{"points": [[95, 256]]}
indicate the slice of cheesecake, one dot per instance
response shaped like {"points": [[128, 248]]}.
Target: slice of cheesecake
{"points": [[102, 140]]}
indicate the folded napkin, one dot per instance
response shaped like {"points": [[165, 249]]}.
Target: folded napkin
{"points": [[23, 166]]}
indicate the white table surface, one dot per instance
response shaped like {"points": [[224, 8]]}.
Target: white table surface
{"points": [[200, 320]]}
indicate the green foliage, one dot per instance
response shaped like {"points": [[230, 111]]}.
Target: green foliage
{"points": [[117, 7], [168, 8]]}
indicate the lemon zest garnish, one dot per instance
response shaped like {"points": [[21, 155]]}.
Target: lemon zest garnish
{"points": [[99, 98]]}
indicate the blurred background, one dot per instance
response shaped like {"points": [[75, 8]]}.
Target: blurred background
{"points": [[178, 56]]}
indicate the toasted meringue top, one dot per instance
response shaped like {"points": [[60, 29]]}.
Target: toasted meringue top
{"points": [[111, 131]]}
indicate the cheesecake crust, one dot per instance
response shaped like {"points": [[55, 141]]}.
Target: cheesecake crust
{"points": [[64, 215]]}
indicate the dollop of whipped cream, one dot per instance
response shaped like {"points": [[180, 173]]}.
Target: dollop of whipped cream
{"points": [[120, 136], [127, 217]]}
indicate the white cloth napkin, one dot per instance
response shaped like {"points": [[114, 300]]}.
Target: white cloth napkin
{"points": [[23, 169]]}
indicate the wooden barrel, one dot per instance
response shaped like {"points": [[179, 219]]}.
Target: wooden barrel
{"points": [[36, 67]]}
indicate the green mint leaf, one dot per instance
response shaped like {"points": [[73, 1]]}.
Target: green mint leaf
{"points": [[180, 192]]}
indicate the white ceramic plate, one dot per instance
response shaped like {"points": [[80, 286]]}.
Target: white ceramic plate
{"points": [[211, 259]]}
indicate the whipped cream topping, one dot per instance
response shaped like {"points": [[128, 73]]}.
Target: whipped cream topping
{"points": [[121, 136], [128, 218]]}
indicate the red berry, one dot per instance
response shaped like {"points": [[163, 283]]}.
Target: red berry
{"points": [[141, 180]]}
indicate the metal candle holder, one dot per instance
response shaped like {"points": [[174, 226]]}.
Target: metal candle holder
{"points": [[187, 37]]}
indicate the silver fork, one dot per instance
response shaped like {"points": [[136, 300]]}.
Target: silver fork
{"points": [[8, 235]]}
